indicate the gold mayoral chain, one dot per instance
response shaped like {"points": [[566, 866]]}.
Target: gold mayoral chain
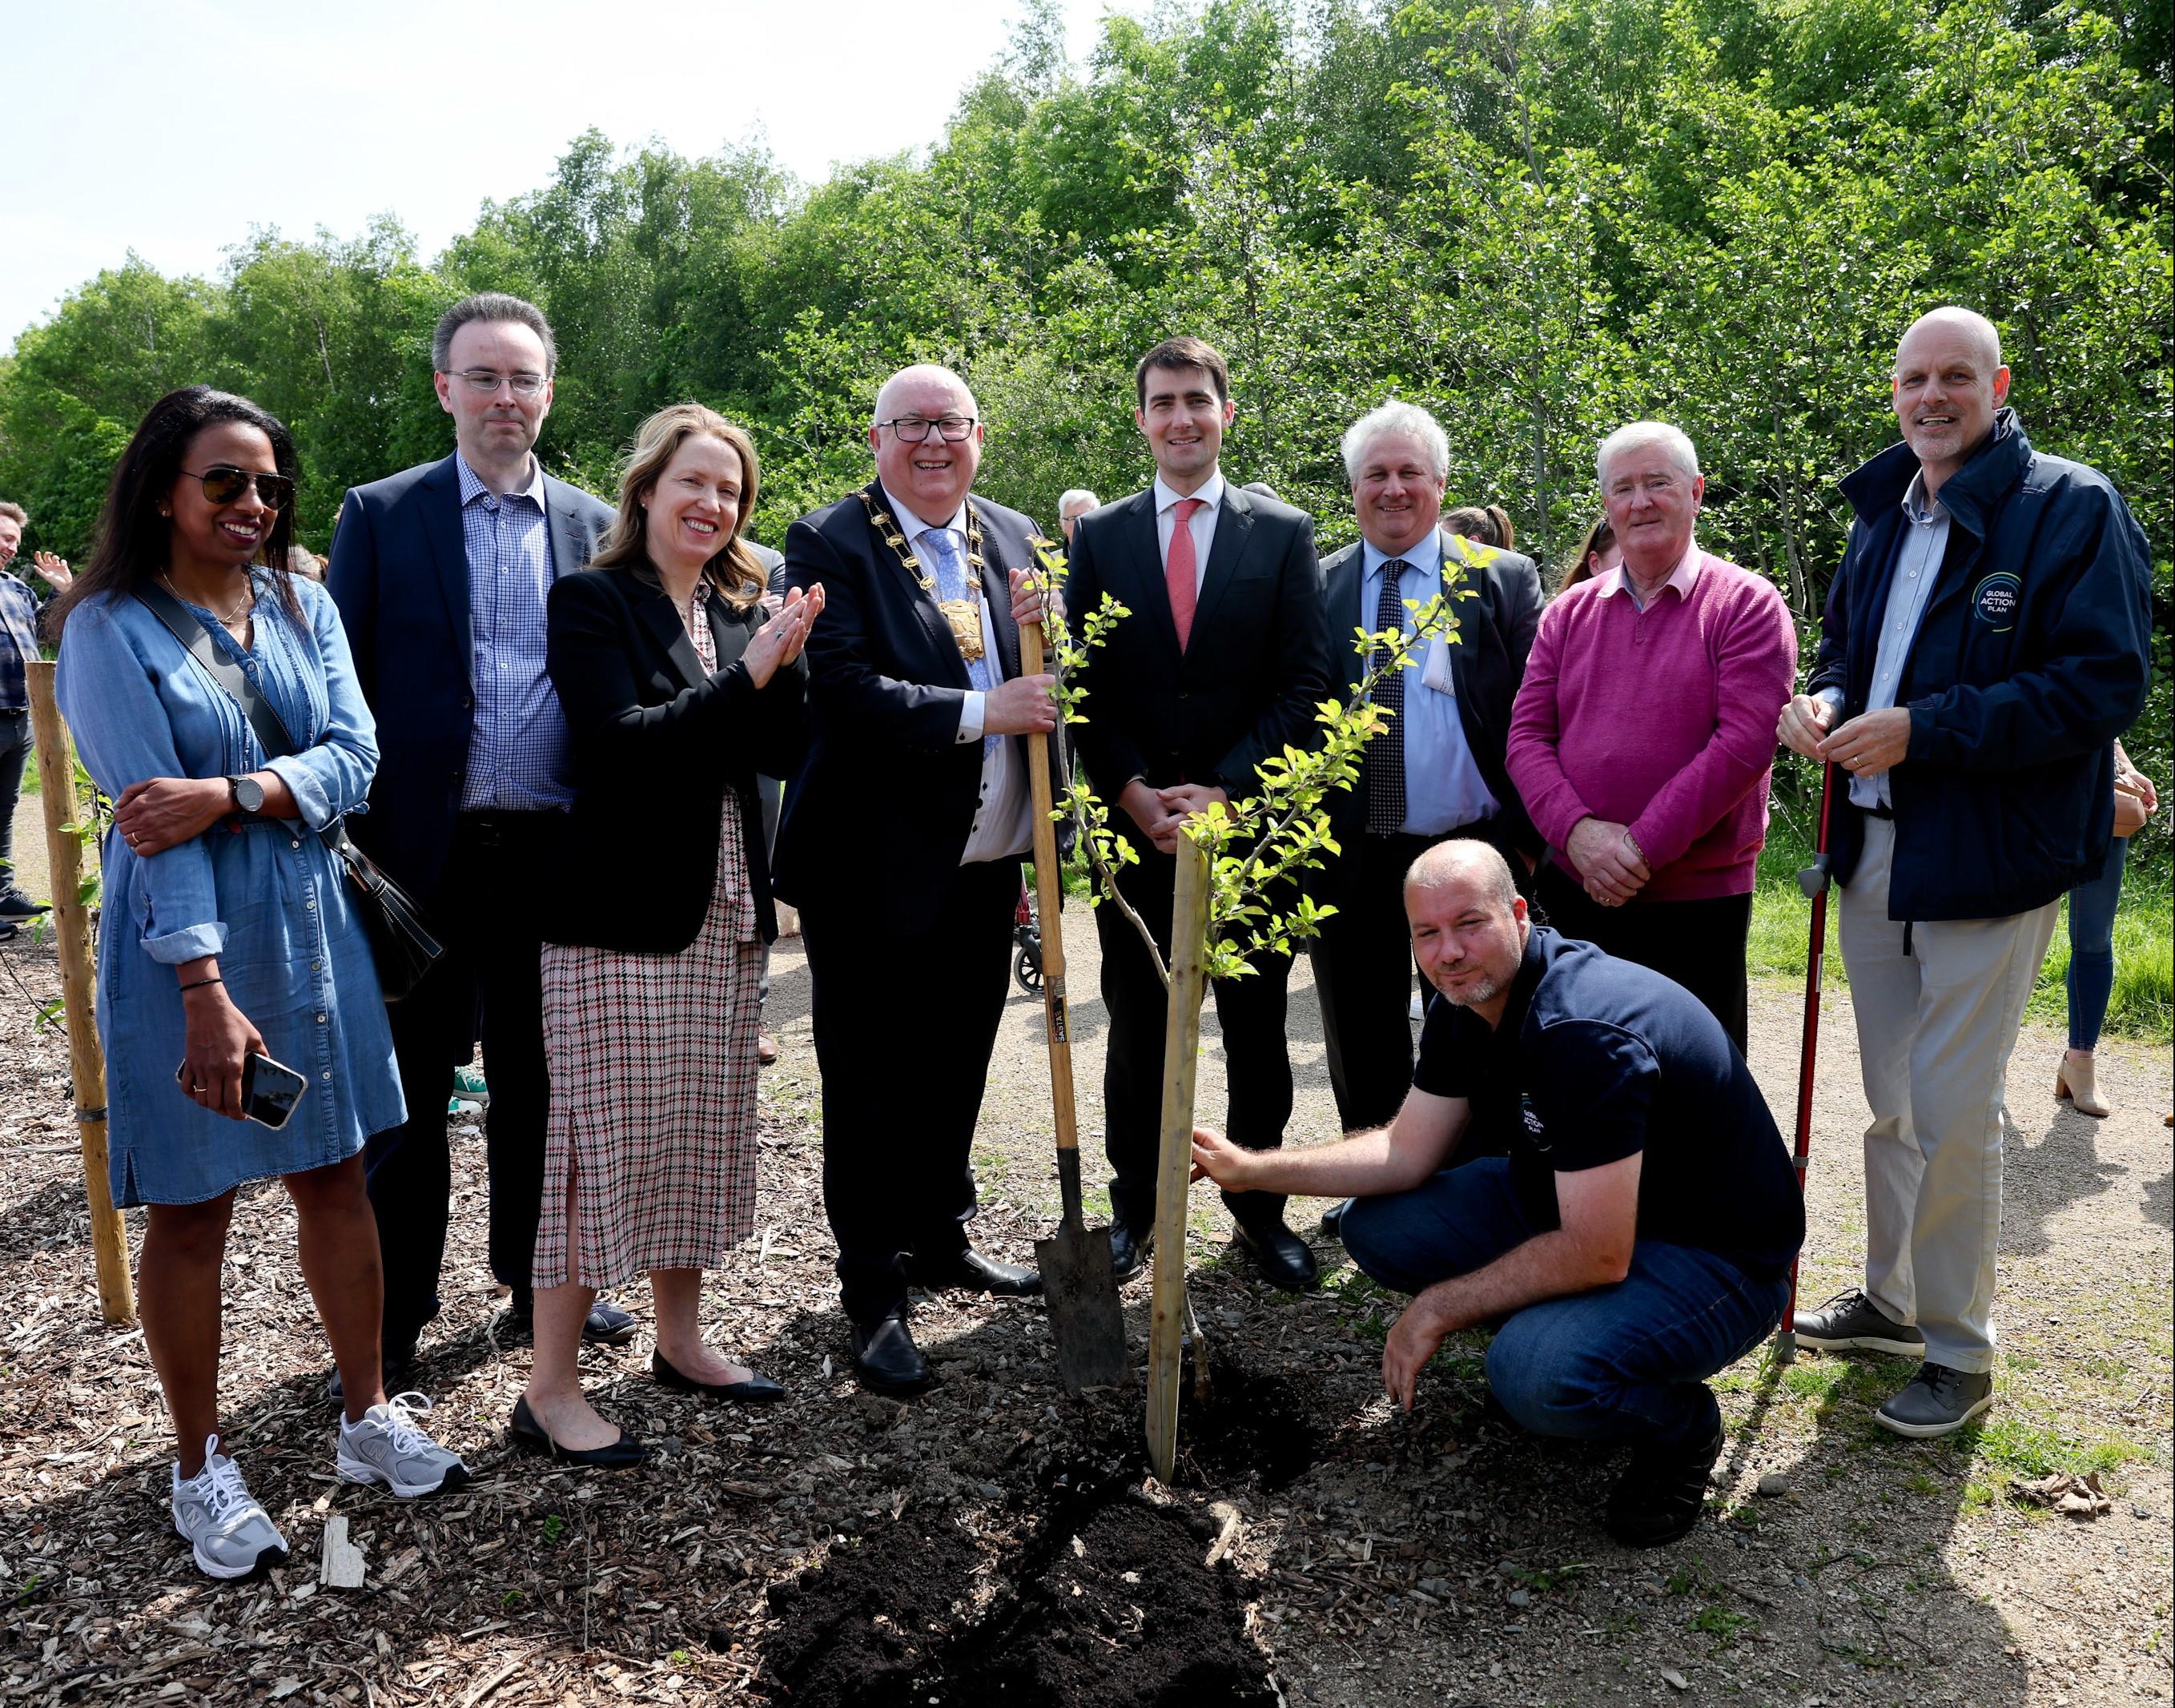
{"points": [[964, 614]]}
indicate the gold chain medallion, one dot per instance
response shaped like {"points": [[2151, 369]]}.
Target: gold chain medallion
{"points": [[964, 614]]}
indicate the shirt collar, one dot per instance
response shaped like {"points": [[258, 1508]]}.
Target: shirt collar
{"points": [[1917, 507], [1209, 492], [472, 486], [1683, 578], [912, 523], [1425, 555]]}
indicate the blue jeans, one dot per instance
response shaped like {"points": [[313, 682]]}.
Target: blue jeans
{"points": [[1623, 1362], [2091, 948]]}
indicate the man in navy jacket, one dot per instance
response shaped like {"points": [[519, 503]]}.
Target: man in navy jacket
{"points": [[1983, 644], [440, 573]]}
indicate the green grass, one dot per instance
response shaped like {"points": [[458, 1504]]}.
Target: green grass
{"points": [[2143, 1005]]}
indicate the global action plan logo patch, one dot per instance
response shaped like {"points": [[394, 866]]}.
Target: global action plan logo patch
{"points": [[1995, 600]]}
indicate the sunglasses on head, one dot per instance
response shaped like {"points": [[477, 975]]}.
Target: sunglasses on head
{"points": [[223, 485]]}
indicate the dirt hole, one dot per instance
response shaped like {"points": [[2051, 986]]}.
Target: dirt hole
{"points": [[1255, 1424], [1107, 1603]]}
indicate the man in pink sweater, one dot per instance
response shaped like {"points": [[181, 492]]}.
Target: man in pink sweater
{"points": [[1642, 740]]}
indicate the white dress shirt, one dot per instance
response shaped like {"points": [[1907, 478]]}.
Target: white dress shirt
{"points": [[1211, 494], [1002, 828]]}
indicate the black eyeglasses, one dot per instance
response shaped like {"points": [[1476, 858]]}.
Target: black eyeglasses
{"points": [[223, 485], [914, 429]]}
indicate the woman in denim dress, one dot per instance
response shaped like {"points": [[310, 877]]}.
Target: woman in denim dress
{"points": [[225, 929]]}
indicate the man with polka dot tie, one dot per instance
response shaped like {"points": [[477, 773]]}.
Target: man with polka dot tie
{"points": [[1220, 666]]}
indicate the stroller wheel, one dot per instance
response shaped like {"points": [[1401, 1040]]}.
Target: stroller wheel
{"points": [[1027, 968]]}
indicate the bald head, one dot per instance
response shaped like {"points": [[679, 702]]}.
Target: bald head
{"points": [[913, 390], [1973, 330], [1461, 864]]}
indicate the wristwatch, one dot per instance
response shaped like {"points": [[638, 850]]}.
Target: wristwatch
{"points": [[248, 794]]}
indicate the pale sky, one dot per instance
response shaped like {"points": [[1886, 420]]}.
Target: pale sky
{"points": [[172, 127]]}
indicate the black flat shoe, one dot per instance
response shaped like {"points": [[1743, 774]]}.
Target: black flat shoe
{"points": [[886, 1359], [1285, 1259], [970, 1272], [531, 1437], [757, 1390], [1129, 1249]]}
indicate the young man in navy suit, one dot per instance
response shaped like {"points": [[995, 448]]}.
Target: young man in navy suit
{"points": [[440, 573], [1220, 666], [900, 846]]}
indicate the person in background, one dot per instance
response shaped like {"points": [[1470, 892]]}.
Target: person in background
{"points": [[441, 572], [1643, 740], [1984, 643], [771, 791], [677, 685], [19, 612], [1598, 554], [228, 933], [2092, 905], [1074, 504], [1488, 524], [303, 561]]}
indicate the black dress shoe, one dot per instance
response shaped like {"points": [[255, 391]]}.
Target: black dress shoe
{"points": [[1129, 1249], [532, 1437], [1285, 1259], [886, 1359], [757, 1390], [394, 1372], [972, 1272], [1332, 1220], [606, 1326]]}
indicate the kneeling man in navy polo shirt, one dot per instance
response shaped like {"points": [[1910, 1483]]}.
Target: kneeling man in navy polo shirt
{"points": [[1637, 1239]]}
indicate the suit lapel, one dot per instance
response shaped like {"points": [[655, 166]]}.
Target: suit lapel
{"points": [[1234, 525], [573, 541], [1463, 599], [997, 590], [1152, 596], [449, 552], [1347, 594], [655, 610]]}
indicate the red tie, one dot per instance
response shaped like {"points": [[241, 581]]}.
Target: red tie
{"points": [[1179, 568]]}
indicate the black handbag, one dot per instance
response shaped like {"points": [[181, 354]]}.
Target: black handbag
{"points": [[401, 941]]}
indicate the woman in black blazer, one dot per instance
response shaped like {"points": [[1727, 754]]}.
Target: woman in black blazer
{"points": [[677, 692]]}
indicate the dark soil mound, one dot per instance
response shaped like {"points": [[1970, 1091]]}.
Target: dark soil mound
{"points": [[1109, 1606], [860, 1627], [1125, 1615], [1254, 1425]]}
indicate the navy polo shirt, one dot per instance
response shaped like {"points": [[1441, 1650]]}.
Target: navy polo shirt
{"points": [[1597, 1059]]}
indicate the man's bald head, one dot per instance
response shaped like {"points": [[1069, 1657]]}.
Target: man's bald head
{"points": [[1980, 334], [911, 389], [1462, 863]]}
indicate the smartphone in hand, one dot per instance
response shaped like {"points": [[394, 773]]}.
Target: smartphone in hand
{"points": [[269, 1089]]}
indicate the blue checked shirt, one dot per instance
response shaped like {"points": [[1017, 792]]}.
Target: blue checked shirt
{"points": [[518, 747], [18, 641]]}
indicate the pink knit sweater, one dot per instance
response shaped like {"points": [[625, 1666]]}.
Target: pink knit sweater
{"points": [[1662, 720]]}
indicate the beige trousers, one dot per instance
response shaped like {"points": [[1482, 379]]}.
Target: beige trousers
{"points": [[1935, 1029]]}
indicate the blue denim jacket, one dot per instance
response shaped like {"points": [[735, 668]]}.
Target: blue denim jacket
{"points": [[268, 897]]}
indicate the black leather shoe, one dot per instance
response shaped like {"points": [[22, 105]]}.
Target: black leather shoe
{"points": [[532, 1437], [886, 1359], [1129, 1249], [1332, 1220], [606, 1326], [757, 1390], [395, 1370], [970, 1272], [1285, 1259], [1662, 1491]]}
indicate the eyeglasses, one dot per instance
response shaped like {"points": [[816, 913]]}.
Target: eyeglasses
{"points": [[224, 483], [914, 429], [484, 381]]}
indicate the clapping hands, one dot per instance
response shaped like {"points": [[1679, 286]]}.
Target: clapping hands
{"points": [[779, 642]]}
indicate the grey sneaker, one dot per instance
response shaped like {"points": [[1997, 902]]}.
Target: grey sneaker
{"points": [[1936, 1401], [1852, 1322], [388, 1447], [218, 1516]]}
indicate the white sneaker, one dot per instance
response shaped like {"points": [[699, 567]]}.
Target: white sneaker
{"points": [[387, 1446], [217, 1516]]}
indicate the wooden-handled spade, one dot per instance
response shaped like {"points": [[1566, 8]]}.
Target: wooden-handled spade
{"points": [[1078, 1281]]}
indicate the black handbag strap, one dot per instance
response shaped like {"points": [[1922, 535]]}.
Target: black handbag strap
{"points": [[194, 634]]}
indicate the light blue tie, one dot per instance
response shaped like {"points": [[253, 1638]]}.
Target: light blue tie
{"points": [[939, 547]]}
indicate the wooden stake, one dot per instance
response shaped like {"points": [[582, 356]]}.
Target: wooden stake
{"points": [[1181, 1045], [70, 921]]}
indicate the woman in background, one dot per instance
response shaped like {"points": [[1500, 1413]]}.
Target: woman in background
{"points": [[2091, 942]]}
